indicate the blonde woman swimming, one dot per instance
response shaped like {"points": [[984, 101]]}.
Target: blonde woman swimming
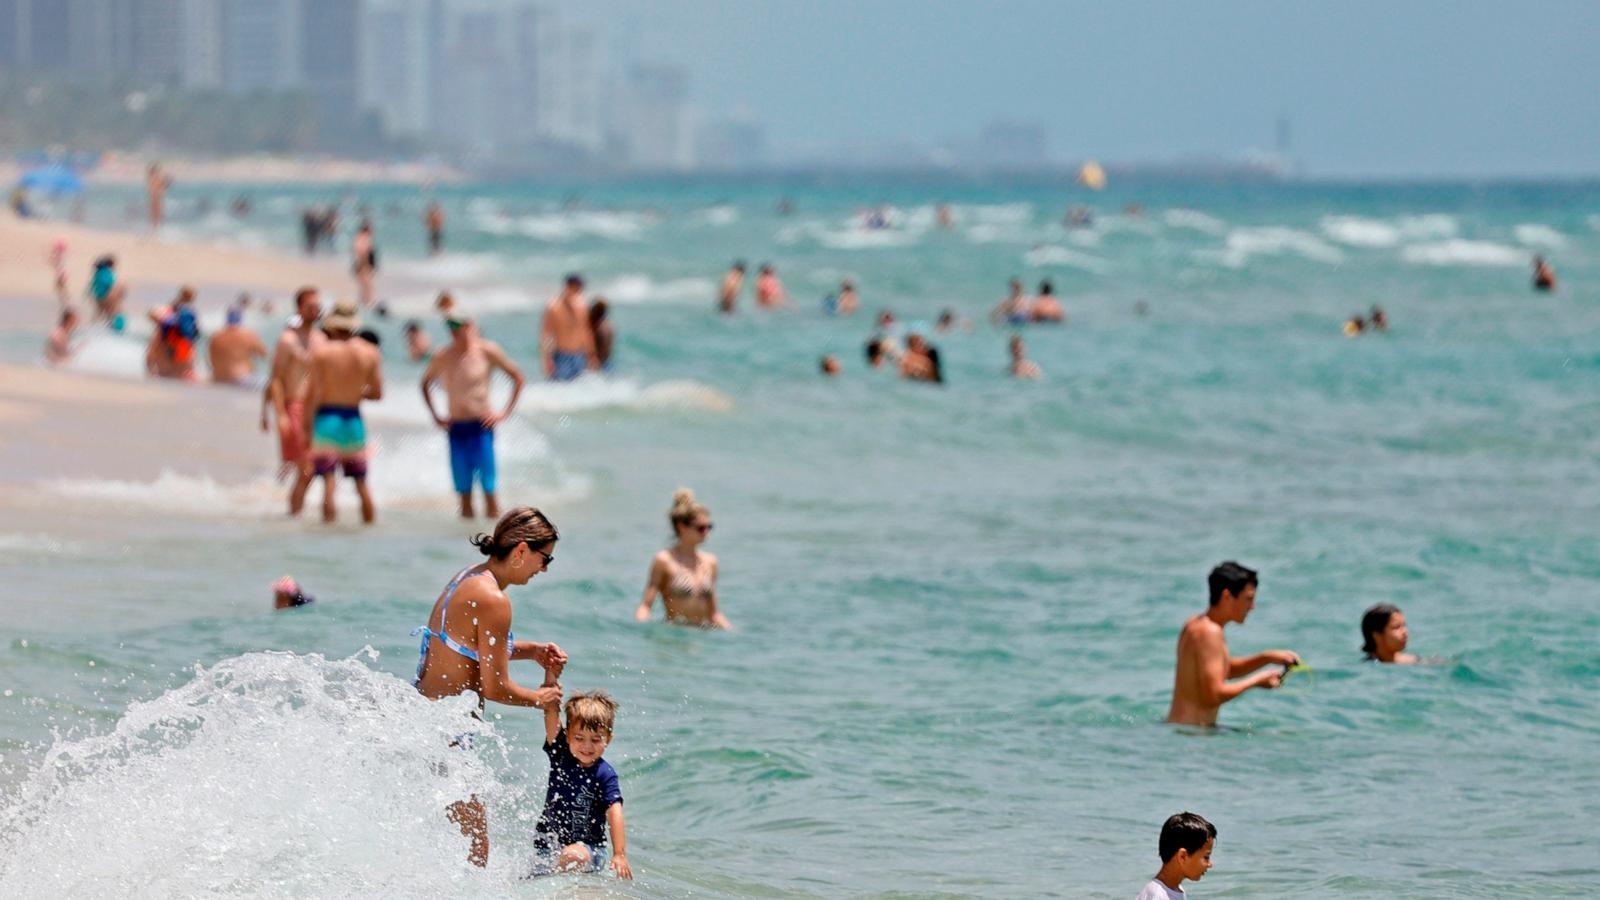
{"points": [[684, 575]]}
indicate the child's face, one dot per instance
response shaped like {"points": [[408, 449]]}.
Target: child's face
{"points": [[1198, 863], [587, 744]]}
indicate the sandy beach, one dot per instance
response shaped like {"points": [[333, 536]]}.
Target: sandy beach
{"points": [[128, 170], [57, 425]]}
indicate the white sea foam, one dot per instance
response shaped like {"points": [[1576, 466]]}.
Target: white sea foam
{"points": [[1533, 235], [718, 216], [644, 289], [174, 492], [567, 226], [1243, 243], [1052, 255], [113, 355], [591, 392], [268, 774], [857, 238], [450, 268], [1195, 221], [1460, 252], [1358, 231]]}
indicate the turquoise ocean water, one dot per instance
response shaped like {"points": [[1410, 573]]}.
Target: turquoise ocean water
{"points": [[956, 607]]}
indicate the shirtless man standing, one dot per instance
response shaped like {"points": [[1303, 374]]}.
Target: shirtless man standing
{"points": [[434, 220], [467, 364], [286, 388], [1201, 684], [344, 372], [156, 183], [566, 342], [732, 284], [234, 351]]}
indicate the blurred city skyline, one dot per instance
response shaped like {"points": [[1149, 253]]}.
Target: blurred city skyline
{"points": [[1464, 89]]}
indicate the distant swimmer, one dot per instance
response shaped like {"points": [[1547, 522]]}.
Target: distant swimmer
{"points": [[418, 345], [732, 285], [684, 575], [583, 796], [949, 321], [566, 342], [58, 348], [1014, 309], [107, 293], [433, 220], [344, 372], [1544, 277], [943, 216], [467, 365], [875, 354], [467, 643], [285, 392], [831, 367], [1354, 325], [364, 262], [769, 290], [1185, 847], [286, 594], [605, 334], [444, 304], [1384, 635], [920, 362], [1021, 366], [234, 351], [1378, 320], [1201, 681], [848, 300], [1047, 307]]}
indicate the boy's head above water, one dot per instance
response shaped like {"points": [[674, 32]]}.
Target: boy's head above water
{"points": [[1186, 843], [590, 717]]}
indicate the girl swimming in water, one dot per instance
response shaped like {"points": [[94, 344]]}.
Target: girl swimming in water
{"points": [[1384, 635], [684, 575], [467, 643]]}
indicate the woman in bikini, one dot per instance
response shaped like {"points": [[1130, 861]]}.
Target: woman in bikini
{"points": [[684, 575], [467, 643]]}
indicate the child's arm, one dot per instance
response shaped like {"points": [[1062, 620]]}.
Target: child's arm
{"points": [[552, 713], [619, 841]]}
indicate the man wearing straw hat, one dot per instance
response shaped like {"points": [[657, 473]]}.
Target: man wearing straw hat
{"points": [[343, 373]]}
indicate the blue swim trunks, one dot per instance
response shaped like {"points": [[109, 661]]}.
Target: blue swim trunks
{"points": [[472, 454], [569, 365]]}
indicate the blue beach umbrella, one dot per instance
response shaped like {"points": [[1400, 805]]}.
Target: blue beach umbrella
{"points": [[55, 179]]}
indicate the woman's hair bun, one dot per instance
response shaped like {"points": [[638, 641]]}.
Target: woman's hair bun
{"points": [[484, 543]]}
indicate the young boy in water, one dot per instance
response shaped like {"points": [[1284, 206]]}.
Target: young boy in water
{"points": [[583, 796], [1186, 843]]}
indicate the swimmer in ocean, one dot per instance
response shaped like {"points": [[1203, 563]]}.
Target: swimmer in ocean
{"points": [[1046, 307], [471, 648], [1544, 277], [1384, 635], [830, 365], [848, 300], [732, 284], [1014, 309], [769, 290], [1021, 366], [684, 575], [1201, 680]]}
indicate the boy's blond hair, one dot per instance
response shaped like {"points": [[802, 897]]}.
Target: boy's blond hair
{"points": [[594, 710]]}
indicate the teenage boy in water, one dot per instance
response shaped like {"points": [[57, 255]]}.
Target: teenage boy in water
{"points": [[1186, 844], [583, 796], [1200, 683]]}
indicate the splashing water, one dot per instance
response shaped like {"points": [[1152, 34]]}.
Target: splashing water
{"points": [[267, 774]]}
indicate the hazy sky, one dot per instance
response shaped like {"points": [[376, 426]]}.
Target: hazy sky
{"points": [[1371, 88]]}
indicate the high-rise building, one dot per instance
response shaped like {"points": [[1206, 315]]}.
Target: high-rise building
{"points": [[261, 45], [571, 87], [200, 28], [654, 130], [157, 52], [396, 62], [330, 56], [487, 76], [34, 36], [99, 38]]}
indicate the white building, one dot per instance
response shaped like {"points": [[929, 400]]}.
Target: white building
{"points": [[394, 75], [261, 45], [654, 127]]}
